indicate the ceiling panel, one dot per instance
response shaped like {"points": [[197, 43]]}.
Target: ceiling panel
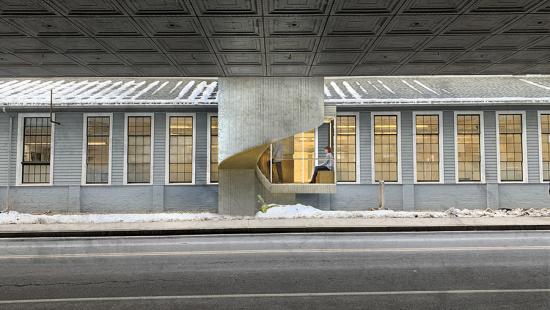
{"points": [[273, 37], [277, 7], [225, 7], [157, 7]]}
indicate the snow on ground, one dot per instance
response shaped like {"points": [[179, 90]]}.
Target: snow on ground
{"points": [[302, 211], [278, 212], [14, 217]]}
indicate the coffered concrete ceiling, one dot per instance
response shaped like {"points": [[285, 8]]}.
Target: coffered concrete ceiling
{"points": [[273, 37]]}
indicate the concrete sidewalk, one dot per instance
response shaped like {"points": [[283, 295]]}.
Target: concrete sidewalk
{"points": [[252, 225]]}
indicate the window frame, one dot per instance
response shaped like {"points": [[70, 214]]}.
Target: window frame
{"points": [[167, 149], [399, 157], [19, 158], [209, 145], [525, 174], [440, 148], [481, 145], [85, 147], [125, 168], [539, 137], [357, 147]]}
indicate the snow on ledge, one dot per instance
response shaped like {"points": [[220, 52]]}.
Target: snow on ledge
{"points": [[277, 212]]}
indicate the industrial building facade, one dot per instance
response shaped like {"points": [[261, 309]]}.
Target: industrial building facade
{"points": [[151, 145]]}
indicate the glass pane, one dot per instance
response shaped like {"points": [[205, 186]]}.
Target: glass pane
{"points": [[385, 148], [427, 148], [345, 152], [181, 149], [97, 149], [545, 145], [213, 149], [36, 150], [511, 147], [139, 149], [468, 147]]}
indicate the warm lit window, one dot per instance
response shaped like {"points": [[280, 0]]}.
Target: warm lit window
{"points": [[468, 143], [510, 129], [180, 149], [98, 131], [36, 155], [346, 148], [427, 148], [545, 145], [303, 156], [385, 148], [139, 150], [213, 149]]}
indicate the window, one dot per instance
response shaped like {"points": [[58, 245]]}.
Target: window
{"points": [[138, 149], [427, 147], [346, 148], [386, 147], [180, 148], [36, 133], [213, 151], [510, 139], [469, 152], [97, 152], [303, 156], [544, 126]]}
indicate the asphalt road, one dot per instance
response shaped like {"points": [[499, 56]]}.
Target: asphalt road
{"points": [[438, 270]]}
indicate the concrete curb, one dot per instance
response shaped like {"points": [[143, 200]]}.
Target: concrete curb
{"points": [[274, 226]]}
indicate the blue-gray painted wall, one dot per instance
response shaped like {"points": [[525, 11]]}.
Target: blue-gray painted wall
{"points": [[67, 194]]}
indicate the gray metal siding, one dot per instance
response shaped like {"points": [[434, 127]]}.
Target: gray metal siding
{"points": [[118, 149], [201, 148], [196, 198], [448, 147], [40, 199], [14, 150], [407, 148], [443, 197], [364, 124], [516, 195], [532, 146], [67, 196], [67, 169], [4, 152], [159, 160], [490, 141], [364, 197]]}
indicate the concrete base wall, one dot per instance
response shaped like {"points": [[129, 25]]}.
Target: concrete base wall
{"points": [[432, 197], [112, 199], [139, 199]]}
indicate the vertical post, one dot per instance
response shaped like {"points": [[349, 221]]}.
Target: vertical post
{"points": [[381, 195]]}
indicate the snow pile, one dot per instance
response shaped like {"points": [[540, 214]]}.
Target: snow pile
{"points": [[302, 211], [276, 212], [14, 217]]}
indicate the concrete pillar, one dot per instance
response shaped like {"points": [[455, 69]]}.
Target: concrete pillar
{"points": [[252, 113], [237, 191]]}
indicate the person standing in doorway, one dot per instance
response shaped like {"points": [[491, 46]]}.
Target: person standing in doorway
{"points": [[327, 165], [278, 154]]}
